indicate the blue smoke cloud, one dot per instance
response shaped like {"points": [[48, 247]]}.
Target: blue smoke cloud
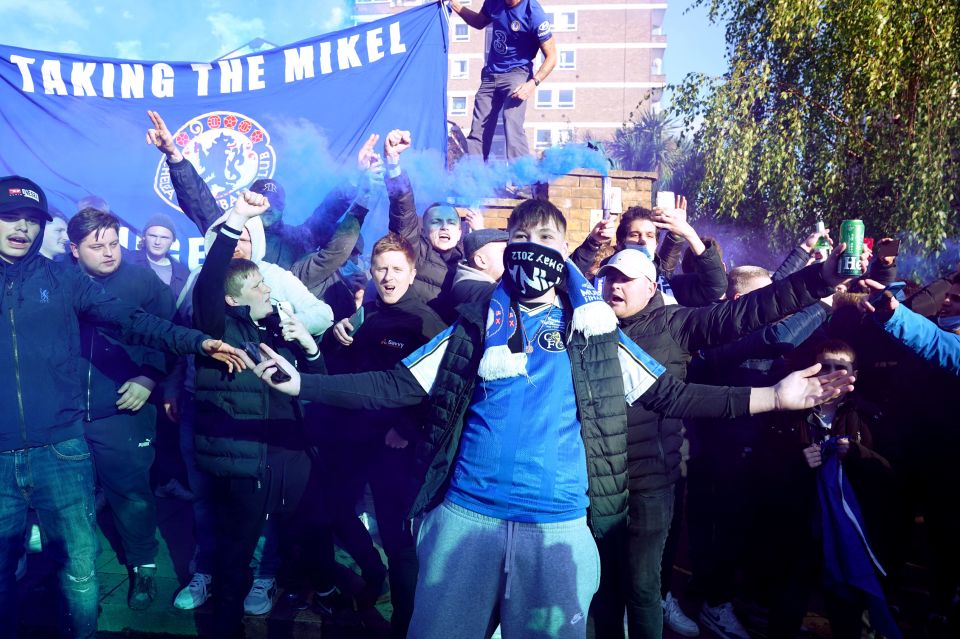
{"points": [[308, 173]]}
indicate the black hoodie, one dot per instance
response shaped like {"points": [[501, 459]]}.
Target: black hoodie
{"points": [[41, 386]]}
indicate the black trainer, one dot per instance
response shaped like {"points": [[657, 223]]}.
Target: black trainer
{"points": [[329, 604], [143, 588]]}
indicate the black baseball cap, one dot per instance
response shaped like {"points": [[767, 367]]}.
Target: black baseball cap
{"points": [[476, 240], [18, 194]]}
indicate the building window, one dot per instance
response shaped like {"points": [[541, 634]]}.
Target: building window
{"points": [[563, 20], [555, 99], [567, 59], [458, 105], [657, 67], [459, 69], [543, 140], [544, 98], [461, 32]]}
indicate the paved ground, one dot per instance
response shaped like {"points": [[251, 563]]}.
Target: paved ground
{"points": [[39, 598]]}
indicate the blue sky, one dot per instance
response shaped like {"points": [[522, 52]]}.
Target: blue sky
{"points": [[203, 30], [693, 43]]}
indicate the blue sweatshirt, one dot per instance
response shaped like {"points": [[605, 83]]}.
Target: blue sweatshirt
{"points": [[926, 339]]}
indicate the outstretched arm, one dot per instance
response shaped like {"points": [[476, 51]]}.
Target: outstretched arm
{"points": [[135, 326], [927, 340], [476, 19], [797, 391], [395, 388]]}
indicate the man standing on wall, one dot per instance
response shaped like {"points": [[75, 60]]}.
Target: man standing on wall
{"points": [[520, 29]]}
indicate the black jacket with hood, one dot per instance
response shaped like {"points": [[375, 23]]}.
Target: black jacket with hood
{"points": [[41, 368], [435, 269]]}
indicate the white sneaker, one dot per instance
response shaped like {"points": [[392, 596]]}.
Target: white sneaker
{"points": [[195, 593], [722, 621], [674, 618], [35, 543], [259, 601]]}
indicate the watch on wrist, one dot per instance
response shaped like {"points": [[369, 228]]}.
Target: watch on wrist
{"points": [[536, 82]]}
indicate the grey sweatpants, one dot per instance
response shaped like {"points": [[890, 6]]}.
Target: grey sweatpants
{"points": [[493, 101], [534, 580]]}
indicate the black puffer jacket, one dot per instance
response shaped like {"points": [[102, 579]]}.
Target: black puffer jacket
{"points": [[238, 416], [672, 333], [435, 270], [598, 385]]}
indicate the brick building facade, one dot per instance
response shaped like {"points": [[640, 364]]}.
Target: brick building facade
{"points": [[610, 64]]}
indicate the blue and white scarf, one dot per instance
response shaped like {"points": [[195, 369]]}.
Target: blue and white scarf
{"points": [[504, 355]]}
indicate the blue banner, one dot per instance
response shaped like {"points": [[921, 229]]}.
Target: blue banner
{"points": [[298, 114]]}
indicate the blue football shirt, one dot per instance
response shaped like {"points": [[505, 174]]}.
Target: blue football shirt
{"points": [[517, 34], [521, 454]]}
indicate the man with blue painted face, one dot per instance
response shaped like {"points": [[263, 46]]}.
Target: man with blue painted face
{"points": [[523, 452], [436, 236], [520, 30]]}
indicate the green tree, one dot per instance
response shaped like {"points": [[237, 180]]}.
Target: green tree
{"points": [[833, 109], [646, 143]]}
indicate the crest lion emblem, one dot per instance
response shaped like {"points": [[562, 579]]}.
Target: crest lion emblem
{"points": [[229, 150]]}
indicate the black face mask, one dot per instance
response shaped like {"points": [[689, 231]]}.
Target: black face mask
{"points": [[531, 269]]}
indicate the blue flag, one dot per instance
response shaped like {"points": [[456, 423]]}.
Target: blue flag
{"points": [[76, 125]]}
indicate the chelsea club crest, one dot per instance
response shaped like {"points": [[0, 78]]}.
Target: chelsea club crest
{"points": [[229, 150]]}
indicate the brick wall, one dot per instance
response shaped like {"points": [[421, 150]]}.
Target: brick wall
{"points": [[578, 195]]}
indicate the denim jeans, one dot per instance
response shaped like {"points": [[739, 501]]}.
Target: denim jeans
{"points": [[650, 515], [630, 570], [56, 481]]}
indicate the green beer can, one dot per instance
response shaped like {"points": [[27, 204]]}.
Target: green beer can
{"points": [[851, 234]]}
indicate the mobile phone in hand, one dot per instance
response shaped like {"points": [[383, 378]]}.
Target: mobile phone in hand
{"points": [[253, 350], [284, 310], [666, 200], [887, 249], [356, 320], [895, 288]]}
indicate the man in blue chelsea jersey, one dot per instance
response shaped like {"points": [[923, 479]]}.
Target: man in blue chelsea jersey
{"points": [[522, 455], [520, 30]]}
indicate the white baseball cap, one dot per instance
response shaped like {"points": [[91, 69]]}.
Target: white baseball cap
{"points": [[632, 263]]}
